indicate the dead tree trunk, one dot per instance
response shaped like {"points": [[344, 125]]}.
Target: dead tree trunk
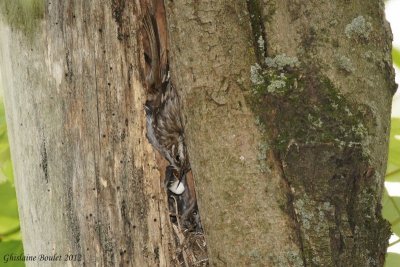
{"points": [[286, 107], [86, 177]]}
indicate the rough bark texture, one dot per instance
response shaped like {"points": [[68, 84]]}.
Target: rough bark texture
{"points": [[334, 156], [86, 177], [289, 171], [241, 200]]}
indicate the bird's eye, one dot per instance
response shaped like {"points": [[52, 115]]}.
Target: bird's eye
{"points": [[177, 158]]}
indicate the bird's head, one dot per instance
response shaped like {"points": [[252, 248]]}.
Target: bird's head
{"points": [[180, 160]]}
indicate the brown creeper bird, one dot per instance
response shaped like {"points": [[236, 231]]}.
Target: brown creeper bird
{"points": [[164, 122]]}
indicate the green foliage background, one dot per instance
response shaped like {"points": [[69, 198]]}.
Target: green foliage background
{"points": [[10, 235], [396, 56], [391, 204]]}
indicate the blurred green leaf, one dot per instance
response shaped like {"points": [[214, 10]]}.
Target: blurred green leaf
{"points": [[396, 227], [10, 234], [8, 226], [9, 222], [392, 260], [8, 201], [6, 172], [391, 211], [390, 171], [11, 247], [393, 170], [396, 56], [390, 208], [391, 204]]}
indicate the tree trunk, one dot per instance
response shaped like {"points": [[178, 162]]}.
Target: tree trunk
{"points": [[286, 107], [289, 170], [86, 177]]}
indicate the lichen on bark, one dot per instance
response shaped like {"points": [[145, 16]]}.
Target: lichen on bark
{"points": [[314, 110], [323, 129]]}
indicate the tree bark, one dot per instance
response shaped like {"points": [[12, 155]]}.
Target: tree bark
{"points": [[289, 170], [211, 46], [286, 107], [86, 177]]}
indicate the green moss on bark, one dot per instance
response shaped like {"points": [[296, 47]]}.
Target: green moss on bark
{"points": [[23, 15], [257, 25], [311, 124], [324, 130], [305, 107]]}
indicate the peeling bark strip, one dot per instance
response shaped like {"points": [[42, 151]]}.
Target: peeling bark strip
{"points": [[165, 131]]}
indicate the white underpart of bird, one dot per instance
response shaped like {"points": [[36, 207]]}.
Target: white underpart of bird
{"points": [[177, 187]]}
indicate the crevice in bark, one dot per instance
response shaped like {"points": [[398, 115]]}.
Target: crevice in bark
{"points": [[260, 44], [191, 248], [258, 30], [44, 163], [118, 7]]}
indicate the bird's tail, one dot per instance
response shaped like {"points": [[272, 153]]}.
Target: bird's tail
{"points": [[155, 54]]}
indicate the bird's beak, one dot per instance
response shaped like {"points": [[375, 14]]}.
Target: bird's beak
{"points": [[182, 175]]}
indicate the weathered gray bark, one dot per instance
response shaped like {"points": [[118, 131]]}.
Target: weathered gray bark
{"points": [[288, 177], [292, 174], [86, 178]]}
